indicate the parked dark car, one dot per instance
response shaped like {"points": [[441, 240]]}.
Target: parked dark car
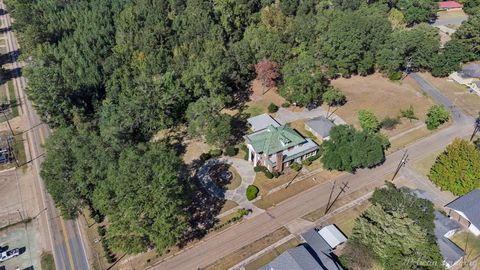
{"points": [[313, 105]]}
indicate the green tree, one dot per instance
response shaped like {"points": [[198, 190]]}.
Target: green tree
{"points": [[143, 199], [289, 7], [333, 96], [417, 11], [454, 53], [396, 229], [469, 35], [368, 121], [416, 49], [471, 7], [303, 80], [456, 169], [350, 40], [205, 120], [349, 149], [397, 19], [436, 115]]}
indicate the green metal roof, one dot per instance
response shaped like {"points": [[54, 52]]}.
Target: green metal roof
{"points": [[274, 139]]}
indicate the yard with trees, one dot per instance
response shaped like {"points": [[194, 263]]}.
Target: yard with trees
{"points": [[397, 227], [109, 75]]}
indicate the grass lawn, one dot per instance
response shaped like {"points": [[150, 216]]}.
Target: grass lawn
{"points": [[255, 110], [265, 185], [249, 250], [13, 99], [281, 195], [470, 241], [228, 205], [469, 102], [383, 97], [423, 165], [47, 261], [346, 219], [269, 256]]}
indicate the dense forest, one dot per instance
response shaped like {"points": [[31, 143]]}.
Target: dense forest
{"points": [[108, 75]]}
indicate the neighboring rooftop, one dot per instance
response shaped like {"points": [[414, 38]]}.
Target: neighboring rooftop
{"points": [[449, 5], [332, 235], [444, 226], [469, 205], [320, 125], [274, 139], [293, 259], [262, 121], [326, 259]]}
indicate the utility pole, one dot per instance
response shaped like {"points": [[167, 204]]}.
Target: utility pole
{"points": [[21, 217], [8, 122], [342, 190], [402, 163], [330, 196], [477, 127]]}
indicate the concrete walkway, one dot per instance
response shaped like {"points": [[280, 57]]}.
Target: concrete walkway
{"points": [[238, 195], [285, 116]]}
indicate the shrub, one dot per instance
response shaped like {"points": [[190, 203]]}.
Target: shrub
{"points": [[307, 162], [268, 174], [437, 115], [205, 156], [276, 174], [368, 121], [231, 151], [252, 192], [272, 108], [243, 212], [244, 148], [285, 104], [260, 168], [101, 230], [296, 166], [215, 152], [389, 123], [409, 113], [395, 76]]}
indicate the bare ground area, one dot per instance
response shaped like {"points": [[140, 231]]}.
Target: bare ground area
{"points": [[384, 98], [469, 102]]}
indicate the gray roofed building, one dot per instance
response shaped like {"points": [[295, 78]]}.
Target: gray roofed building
{"points": [[262, 121], [325, 256], [320, 127], [467, 209], [444, 228], [293, 259]]}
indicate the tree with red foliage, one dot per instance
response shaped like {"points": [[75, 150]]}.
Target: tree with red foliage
{"points": [[267, 72]]}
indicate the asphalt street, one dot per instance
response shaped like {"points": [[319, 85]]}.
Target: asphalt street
{"points": [[226, 242], [61, 236]]}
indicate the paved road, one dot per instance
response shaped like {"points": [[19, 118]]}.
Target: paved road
{"points": [[60, 235], [450, 21], [288, 211]]}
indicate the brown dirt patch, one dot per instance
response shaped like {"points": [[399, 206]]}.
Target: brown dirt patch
{"points": [[383, 97], [228, 206], [194, 149]]}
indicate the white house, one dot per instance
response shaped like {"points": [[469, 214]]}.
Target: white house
{"points": [[469, 76], [466, 210], [275, 146]]}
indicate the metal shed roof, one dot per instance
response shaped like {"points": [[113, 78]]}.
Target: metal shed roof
{"points": [[262, 121]]}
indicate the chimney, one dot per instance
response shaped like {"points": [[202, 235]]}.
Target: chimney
{"points": [[279, 167]]}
